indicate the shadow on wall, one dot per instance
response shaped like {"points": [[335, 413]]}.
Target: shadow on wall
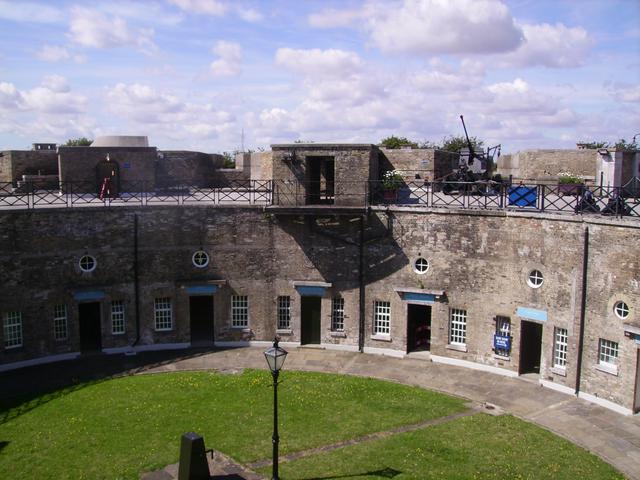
{"points": [[331, 245]]}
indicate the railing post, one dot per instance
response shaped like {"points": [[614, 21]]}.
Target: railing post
{"points": [[541, 192]]}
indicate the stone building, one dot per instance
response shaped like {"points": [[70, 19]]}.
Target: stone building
{"points": [[553, 297]]}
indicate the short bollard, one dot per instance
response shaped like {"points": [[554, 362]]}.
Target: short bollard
{"points": [[193, 458]]}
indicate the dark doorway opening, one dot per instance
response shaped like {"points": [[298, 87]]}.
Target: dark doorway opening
{"points": [[530, 347], [418, 328], [320, 180], [90, 332], [201, 317], [310, 316], [108, 178]]}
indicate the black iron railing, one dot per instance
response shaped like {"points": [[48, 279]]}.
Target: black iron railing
{"points": [[483, 195]]}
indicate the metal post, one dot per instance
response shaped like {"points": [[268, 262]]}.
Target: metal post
{"points": [[275, 439]]}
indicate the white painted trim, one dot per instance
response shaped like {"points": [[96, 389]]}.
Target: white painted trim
{"points": [[250, 343], [385, 351], [39, 361], [558, 387], [338, 346], [115, 350], [302, 283], [159, 346], [605, 403], [473, 365]]}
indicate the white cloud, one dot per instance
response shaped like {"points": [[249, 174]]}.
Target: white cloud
{"points": [[52, 53], [432, 26], [53, 96], [627, 93], [249, 14], [143, 103], [29, 12], [555, 46], [230, 61], [207, 7], [318, 62], [90, 28]]}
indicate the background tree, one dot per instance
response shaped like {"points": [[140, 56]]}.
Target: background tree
{"points": [[397, 142], [623, 145], [78, 142], [456, 143], [593, 145]]}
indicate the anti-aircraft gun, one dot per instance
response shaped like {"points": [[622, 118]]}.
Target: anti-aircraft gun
{"points": [[475, 169]]}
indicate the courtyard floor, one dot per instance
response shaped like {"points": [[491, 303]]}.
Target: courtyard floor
{"points": [[613, 437]]}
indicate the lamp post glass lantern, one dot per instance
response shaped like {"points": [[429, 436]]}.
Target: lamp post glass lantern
{"points": [[275, 357]]}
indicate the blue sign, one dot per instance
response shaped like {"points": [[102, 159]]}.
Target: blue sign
{"points": [[310, 291], [532, 314], [127, 165], [502, 342], [201, 289], [419, 297]]}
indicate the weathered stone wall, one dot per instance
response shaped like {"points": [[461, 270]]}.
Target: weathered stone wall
{"points": [[137, 164], [261, 166], [480, 260], [547, 164], [355, 165], [419, 163], [191, 168], [15, 163]]}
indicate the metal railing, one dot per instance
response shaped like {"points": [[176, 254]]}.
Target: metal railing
{"points": [[78, 194], [487, 195], [483, 195]]}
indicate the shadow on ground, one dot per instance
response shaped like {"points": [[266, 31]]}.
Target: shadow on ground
{"points": [[27, 388], [384, 473]]}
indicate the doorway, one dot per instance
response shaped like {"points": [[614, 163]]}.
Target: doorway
{"points": [[636, 392], [90, 332], [320, 180], [108, 178], [530, 347], [418, 328], [201, 318], [310, 320]]}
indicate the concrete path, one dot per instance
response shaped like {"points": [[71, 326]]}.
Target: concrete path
{"points": [[613, 437]]}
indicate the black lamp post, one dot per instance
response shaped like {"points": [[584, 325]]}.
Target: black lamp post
{"points": [[275, 358]]}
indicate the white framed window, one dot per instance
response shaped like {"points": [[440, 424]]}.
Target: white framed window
{"points": [[60, 322], [608, 353], [458, 327], [200, 259], [337, 314], [284, 313], [535, 279], [503, 328], [621, 310], [12, 330], [163, 313], [560, 344], [382, 318], [117, 317], [421, 265], [87, 263], [239, 311]]}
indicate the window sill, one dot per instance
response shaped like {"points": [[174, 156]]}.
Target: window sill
{"points": [[458, 348], [559, 371], [164, 329], [118, 334], [338, 334], [381, 337], [504, 358], [242, 329], [284, 331], [610, 369]]}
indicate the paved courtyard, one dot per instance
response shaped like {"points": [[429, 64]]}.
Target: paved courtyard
{"points": [[613, 437]]}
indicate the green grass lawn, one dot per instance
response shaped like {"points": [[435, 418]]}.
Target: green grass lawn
{"points": [[123, 427], [475, 447]]}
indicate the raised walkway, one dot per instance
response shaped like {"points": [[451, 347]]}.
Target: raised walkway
{"points": [[613, 437]]}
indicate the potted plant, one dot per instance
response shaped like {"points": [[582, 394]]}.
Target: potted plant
{"points": [[391, 181], [569, 184]]}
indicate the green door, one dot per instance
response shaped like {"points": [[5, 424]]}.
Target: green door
{"points": [[310, 316]]}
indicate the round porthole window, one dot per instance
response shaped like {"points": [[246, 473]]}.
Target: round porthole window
{"points": [[421, 265], [621, 310], [87, 263], [200, 259], [535, 279]]}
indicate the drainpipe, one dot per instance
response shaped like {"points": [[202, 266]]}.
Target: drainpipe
{"points": [[362, 288], [583, 308], [136, 281]]}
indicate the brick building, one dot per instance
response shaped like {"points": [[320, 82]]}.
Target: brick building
{"points": [[545, 295]]}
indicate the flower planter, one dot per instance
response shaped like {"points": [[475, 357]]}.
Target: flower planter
{"points": [[390, 195], [570, 189]]}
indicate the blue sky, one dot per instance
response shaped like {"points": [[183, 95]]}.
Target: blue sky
{"points": [[195, 74]]}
